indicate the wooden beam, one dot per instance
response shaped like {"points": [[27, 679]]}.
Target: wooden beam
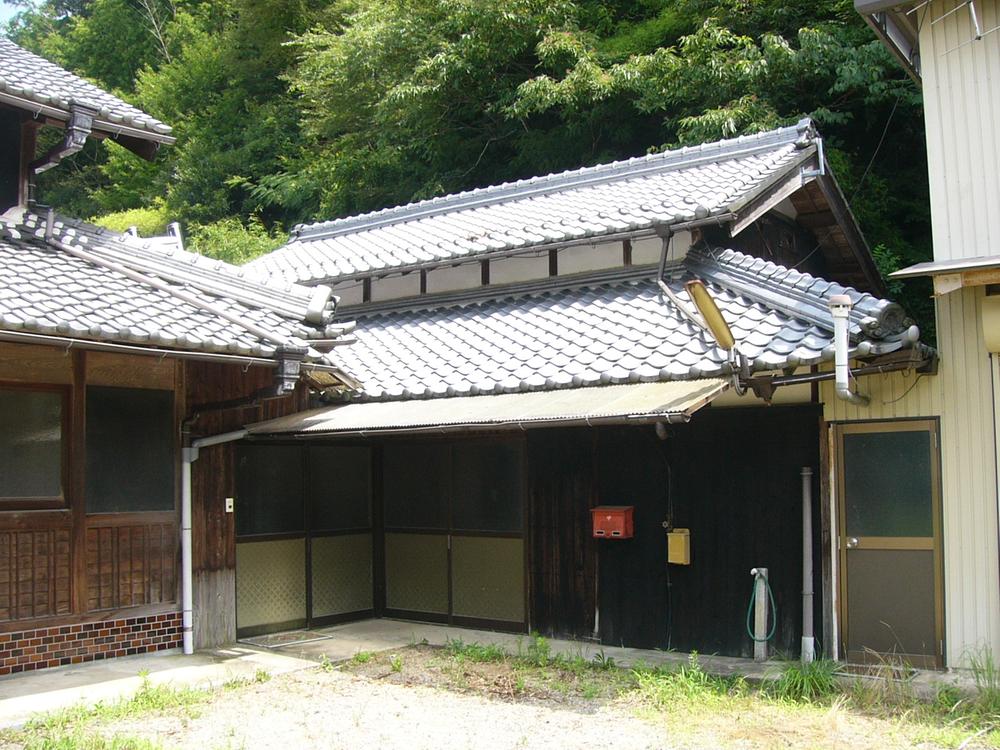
{"points": [[76, 490], [946, 283], [838, 206], [817, 219], [771, 194]]}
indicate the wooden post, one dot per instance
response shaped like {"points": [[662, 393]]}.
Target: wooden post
{"points": [[760, 615]]}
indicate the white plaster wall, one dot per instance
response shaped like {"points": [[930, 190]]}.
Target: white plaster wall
{"points": [[350, 292], [519, 268], [394, 287], [581, 258], [453, 278]]}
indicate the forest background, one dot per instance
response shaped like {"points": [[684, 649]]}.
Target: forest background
{"points": [[290, 111]]}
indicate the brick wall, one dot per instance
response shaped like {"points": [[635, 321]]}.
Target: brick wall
{"points": [[72, 644]]}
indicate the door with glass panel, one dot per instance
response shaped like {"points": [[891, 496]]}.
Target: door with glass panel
{"points": [[454, 532], [303, 536], [890, 542]]}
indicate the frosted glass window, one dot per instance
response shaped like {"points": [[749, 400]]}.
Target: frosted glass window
{"points": [[30, 444], [131, 450], [269, 489], [489, 483], [888, 484], [416, 485], [340, 487]]}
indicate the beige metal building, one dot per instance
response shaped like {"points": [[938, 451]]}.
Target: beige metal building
{"points": [[952, 48]]}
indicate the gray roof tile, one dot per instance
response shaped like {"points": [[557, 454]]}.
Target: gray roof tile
{"points": [[631, 195], [27, 76], [46, 289], [613, 332]]}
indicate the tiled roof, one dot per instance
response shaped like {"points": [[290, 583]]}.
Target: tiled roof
{"points": [[29, 77], [633, 195], [619, 331], [45, 289]]}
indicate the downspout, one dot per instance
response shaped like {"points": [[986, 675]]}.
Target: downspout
{"points": [[840, 309], [81, 121], [808, 641], [189, 456]]}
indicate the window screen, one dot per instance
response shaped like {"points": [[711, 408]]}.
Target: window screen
{"points": [[488, 487], [340, 487], [416, 485], [30, 444], [269, 489], [131, 450]]}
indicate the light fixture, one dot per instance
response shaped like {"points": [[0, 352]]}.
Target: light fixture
{"points": [[717, 324]]}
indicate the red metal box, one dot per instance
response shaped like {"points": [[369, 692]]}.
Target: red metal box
{"points": [[613, 521]]}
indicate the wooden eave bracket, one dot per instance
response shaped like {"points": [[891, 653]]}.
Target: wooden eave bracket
{"points": [[946, 283]]}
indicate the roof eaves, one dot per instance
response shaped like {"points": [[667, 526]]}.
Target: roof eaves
{"points": [[801, 134], [313, 305], [799, 295]]}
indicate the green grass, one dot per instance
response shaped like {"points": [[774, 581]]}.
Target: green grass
{"points": [[362, 657], [475, 652], [78, 726], [806, 681]]}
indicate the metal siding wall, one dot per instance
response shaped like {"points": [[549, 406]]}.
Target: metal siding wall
{"points": [[972, 588], [961, 394], [962, 112]]}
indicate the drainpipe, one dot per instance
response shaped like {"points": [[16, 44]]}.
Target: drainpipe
{"points": [[808, 641], [840, 309], [189, 456]]}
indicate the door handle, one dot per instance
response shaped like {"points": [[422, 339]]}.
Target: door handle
{"points": [[852, 542]]}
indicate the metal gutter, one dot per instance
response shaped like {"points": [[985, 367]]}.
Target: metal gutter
{"points": [[765, 385], [462, 297], [655, 229], [105, 126], [68, 342]]}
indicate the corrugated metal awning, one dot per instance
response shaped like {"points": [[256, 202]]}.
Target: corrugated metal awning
{"points": [[612, 404], [937, 267]]}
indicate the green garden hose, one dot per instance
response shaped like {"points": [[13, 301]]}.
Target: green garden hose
{"points": [[774, 612]]}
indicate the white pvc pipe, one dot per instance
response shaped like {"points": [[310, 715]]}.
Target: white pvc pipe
{"points": [[840, 309], [189, 456], [808, 641]]}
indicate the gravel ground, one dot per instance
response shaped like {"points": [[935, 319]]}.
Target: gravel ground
{"points": [[316, 709]]}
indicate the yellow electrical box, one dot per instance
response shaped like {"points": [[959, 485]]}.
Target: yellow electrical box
{"points": [[679, 547]]}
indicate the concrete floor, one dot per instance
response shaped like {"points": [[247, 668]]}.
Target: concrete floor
{"points": [[51, 689]]}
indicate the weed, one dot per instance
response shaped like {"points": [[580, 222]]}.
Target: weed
{"points": [[986, 674], [806, 681], [362, 657], [261, 675], [884, 684], [603, 661], [539, 650], [325, 664], [396, 662], [590, 690], [477, 652]]}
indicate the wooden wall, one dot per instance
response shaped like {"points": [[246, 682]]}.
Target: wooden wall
{"points": [[208, 386], [62, 562], [733, 479], [561, 556]]}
